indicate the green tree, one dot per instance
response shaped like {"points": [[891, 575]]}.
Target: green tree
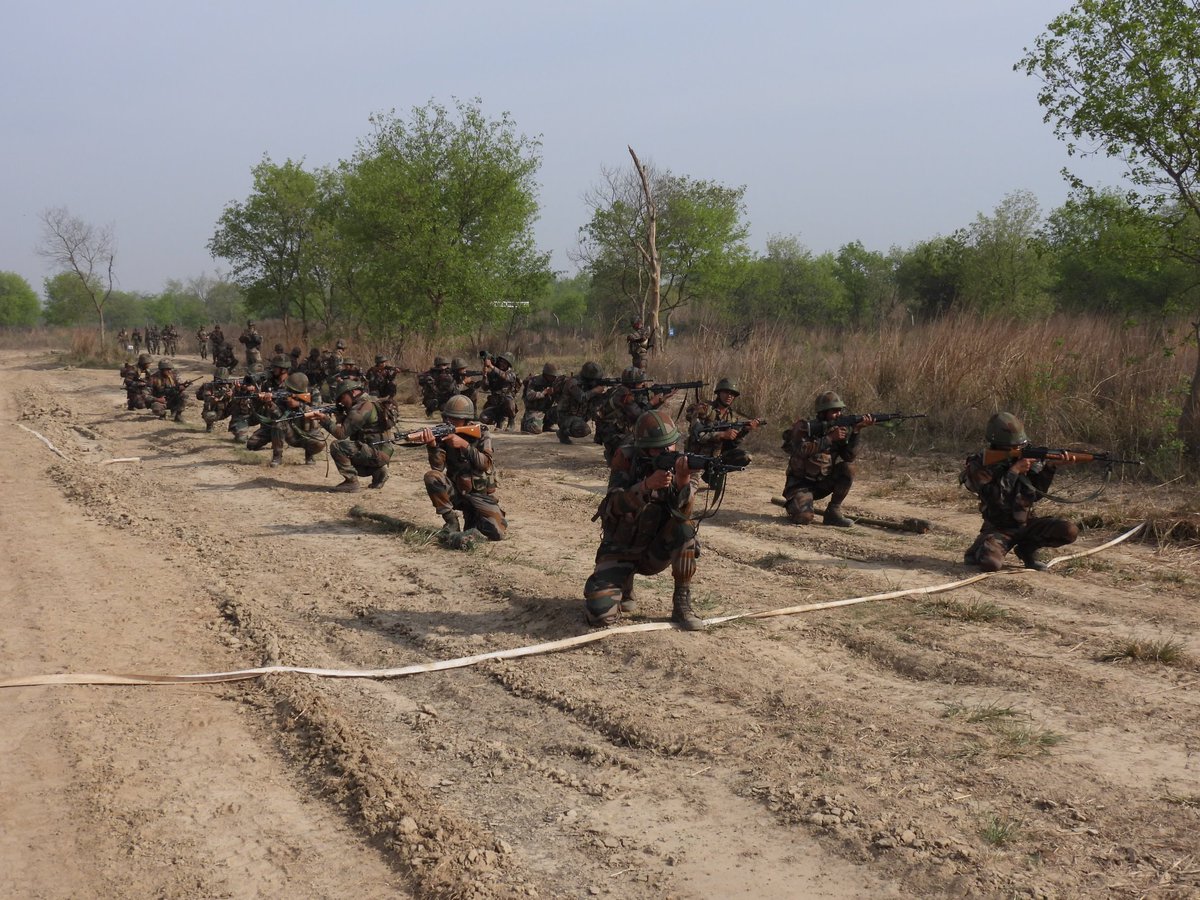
{"points": [[790, 283], [267, 240], [870, 281], [929, 275], [83, 251], [1007, 269], [19, 304], [1119, 78], [68, 301], [438, 219]]}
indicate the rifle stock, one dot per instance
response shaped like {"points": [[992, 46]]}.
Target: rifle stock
{"points": [[1049, 454]]}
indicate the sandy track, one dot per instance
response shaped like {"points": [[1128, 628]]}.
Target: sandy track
{"points": [[888, 750]]}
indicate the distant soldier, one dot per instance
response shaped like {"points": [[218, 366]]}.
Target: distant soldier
{"points": [[1007, 491], [252, 341], [577, 402], [153, 342], [461, 476], [379, 375], [626, 404], [216, 338], [466, 382], [123, 339], [166, 392], [704, 417], [540, 396], [202, 342], [283, 421], [821, 464], [361, 427], [136, 339], [639, 344], [295, 356], [170, 339], [502, 382], [428, 386], [648, 526]]}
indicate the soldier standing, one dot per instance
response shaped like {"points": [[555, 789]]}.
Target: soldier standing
{"points": [[502, 382], [1007, 491], [136, 338], [707, 415], [252, 341], [639, 344], [821, 463], [202, 341], [461, 475], [216, 338], [648, 525], [360, 427]]}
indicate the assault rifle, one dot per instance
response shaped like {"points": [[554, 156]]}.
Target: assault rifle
{"points": [[316, 409], [474, 431], [1065, 457], [712, 468], [668, 387], [607, 382], [172, 389], [821, 427], [743, 425]]}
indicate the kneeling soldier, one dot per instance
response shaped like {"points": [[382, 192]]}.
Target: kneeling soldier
{"points": [[360, 427], [1007, 491], [283, 421], [821, 464], [166, 393], [647, 524]]}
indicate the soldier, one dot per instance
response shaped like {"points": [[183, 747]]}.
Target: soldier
{"points": [[502, 384], [295, 356], [379, 375], [224, 357], [123, 339], [427, 384], [461, 476], [134, 379], [361, 427], [252, 341], [718, 410], [136, 338], [540, 395], [282, 417], [625, 405], [648, 525], [465, 382], [202, 341], [216, 396], [347, 370], [216, 338], [577, 402], [1007, 491], [170, 339], [242, 404], [821, 464], [152, 340], [639, 344], [166, 392]]}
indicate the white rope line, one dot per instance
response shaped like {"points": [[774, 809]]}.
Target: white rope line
{"points": [[41, 438], [516, 652]]}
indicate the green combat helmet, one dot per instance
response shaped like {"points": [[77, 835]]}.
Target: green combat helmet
{"points": [[633, 375], [439, 362], [505, 358], [255, 368], [223, 373], [458, 407], [654, 429], [164, 365], [1005, 431], [829, 400], [345, 387], [591, 371], [144, 359], [458, 363], [549, 370], [727, 384], [380, 359], [297, 383], [281, 362]]}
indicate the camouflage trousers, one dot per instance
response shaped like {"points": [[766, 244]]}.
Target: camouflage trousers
{"points": [[534, 421], [160, 406], [574, 426], [993, 544], [498, 409], [611, 583], [214, 411], [480, 510], [800, 492], [137, 399], [281, 434], [360, 457]]}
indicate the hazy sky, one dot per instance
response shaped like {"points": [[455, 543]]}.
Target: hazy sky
{"points": [[875, 120]]}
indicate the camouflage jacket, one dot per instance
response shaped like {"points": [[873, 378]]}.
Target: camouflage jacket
{"points": [[502, 382], [580, 398], [631, 516], [1005, 498], [469, 469], [710, 414], [814, 458], [539, 393]]}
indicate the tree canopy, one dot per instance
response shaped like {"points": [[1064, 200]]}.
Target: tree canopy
{"points": [[19, 304]]}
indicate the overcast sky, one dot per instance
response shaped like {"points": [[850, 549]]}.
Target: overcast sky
{"points": [[875, 120]]}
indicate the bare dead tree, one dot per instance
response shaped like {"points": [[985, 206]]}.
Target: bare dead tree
{"points": [[648, 249], [76, 246]]}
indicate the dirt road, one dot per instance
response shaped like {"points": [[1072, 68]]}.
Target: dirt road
{"points": [[974, 743]]}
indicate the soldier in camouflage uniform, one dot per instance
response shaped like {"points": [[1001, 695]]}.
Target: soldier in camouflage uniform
{"points": [[725, 443], [502, 381], [136, 380], [577, 402], [821, 465], [462, 478], [241, 404], [153, 343], [252, 341], [216, 338], [648, 526], [1007, 491], [427, 384], [379, 375], [541, 398], [626, 403], [136, 340], [361, 426], [216, 396], [639, 344], [166, 395], [465, 383], [224, 357], [283, 421]]}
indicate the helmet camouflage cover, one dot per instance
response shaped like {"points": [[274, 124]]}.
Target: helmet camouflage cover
{"points": [[144, 358], [297, 383], [281, 362], [654, 429], [1004, 431], [829, 400], [458, 363], [633, 375], [727, 384], [549, 370], [459, 406], [164, 365], [344, 387], [591, 371], [439, 361]]}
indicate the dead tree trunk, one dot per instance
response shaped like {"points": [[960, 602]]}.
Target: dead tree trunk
{"points": [[649, 252]]}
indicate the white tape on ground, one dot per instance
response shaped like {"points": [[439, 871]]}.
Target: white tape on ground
{"points": [[516, 652]]}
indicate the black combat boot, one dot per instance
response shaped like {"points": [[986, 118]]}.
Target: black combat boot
{"points": [[681, 609], [1028, 556], [276, 460], [378, 479], [563, 437], [834, 517], [349, 485], [453, 523]]}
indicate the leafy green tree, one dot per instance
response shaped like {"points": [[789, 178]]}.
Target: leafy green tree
{"points": [[792, 284], [222, 298], [1006, 269], [267, 240], [870, 282], [68, 301], [83, 251], [1120, 78], [929, 275], [438, 218], [19, 305]]}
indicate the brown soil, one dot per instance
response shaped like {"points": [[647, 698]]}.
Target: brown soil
{"points": [[976, 743]]}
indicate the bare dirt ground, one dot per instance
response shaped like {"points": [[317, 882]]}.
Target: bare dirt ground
{"points": [[973, 743]]}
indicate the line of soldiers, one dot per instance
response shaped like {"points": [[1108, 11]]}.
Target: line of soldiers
{"points": [[657, 471], [157, 341]]}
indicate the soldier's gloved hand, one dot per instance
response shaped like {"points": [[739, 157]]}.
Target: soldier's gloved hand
{"points": [[659, 478]]}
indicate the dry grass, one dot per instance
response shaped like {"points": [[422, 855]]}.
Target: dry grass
{"points": [[1166, 651]]}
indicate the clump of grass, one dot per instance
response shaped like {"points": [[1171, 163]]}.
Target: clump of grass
{"points": [[1168, 652], [969, 610], [1018, 739], [980, 713], [1010, 738], [1000, 832], [772, 560]]}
